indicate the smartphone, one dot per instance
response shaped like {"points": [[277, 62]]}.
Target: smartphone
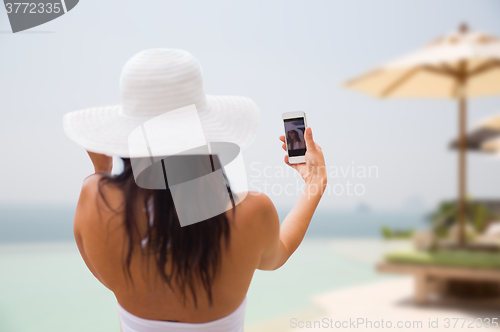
{"points": [[295, 128]]}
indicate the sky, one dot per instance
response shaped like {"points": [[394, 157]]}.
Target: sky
{"points": [[286, 56]]}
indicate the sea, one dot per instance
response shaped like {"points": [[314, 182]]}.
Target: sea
{"points": [[45, 223], [45, 285]]}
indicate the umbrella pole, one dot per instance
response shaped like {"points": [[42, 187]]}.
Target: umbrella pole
{"points": [[462, 165]]}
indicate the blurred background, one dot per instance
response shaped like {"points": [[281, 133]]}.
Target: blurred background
{"points": [[384, 243]]}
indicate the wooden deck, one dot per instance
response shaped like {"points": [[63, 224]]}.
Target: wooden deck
{"points": [[429, 278]]}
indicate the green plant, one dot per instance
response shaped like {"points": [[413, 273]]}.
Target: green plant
{"points": [[445, 216], [481, 216], [386, 232], [389, 234]]}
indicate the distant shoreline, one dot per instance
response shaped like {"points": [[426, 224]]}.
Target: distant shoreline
{"points": [[45, 223]]}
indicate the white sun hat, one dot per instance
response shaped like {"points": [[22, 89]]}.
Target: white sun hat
{"points": [[163, 88]]}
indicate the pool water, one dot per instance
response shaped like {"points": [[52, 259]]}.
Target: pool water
{"points": [[47, 287]]}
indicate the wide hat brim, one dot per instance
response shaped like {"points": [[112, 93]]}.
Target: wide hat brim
{"points": [[106, 129]]}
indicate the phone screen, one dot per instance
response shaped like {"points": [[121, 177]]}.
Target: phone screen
{"points": [[294, 131]]}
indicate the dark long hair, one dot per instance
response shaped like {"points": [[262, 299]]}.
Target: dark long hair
{"points": [[290, 141], [194, 250]]}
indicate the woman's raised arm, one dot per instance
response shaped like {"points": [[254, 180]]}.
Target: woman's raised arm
{"points": [[284, 239]]}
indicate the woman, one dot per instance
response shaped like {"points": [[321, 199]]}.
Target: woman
{"points": [[294, 141], [166, 277]]}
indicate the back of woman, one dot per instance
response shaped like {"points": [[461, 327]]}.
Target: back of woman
{"points": [[168, 273]]}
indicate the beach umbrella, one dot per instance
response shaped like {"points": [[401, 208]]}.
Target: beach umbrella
{"points": [[485, 131], [493, 144], [457, 66]]}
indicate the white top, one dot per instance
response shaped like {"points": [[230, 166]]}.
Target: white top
{"points": [[230, 323]]}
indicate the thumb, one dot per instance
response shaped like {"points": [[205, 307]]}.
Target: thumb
{"points": [[308, 136]]}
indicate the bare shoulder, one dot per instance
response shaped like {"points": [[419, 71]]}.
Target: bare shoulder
{"points": [[98, 202], [257, 214], [98, 227], [93, 185], [255, 204]]}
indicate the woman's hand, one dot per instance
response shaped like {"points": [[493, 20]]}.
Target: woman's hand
{"points": [[313, 171], [102, 163]]}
